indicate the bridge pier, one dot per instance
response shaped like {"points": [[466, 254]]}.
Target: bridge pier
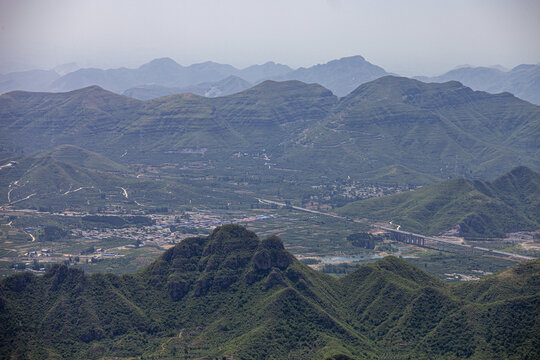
{"points": [[444, 245], [408, 239]]}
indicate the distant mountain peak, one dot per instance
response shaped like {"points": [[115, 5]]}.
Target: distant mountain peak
{"points": [[354, 58], [341, 76], [161, 63], [163, 60], [273, 85], [93, 89], [348, 60], [402, 85]]}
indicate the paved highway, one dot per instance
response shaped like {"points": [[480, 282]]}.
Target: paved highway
{"points": [[271, 202]]}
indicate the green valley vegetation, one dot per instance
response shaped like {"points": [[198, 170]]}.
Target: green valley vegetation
{"points": [[474, 209], [231, 293]]}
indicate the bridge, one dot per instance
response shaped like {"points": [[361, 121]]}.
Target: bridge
{"points": [[417, 239], [445, 245]]}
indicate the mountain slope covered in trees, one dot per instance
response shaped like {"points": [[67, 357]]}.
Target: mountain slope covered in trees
{"points": [[233, 294]]}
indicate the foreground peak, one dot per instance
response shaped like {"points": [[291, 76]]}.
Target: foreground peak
{"points": [[231, 237]]}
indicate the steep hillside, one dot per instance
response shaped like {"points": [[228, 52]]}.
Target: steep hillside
{"points": [[233, 294], [477, 208], [97, 119]]}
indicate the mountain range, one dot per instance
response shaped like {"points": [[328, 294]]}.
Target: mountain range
{"points": [[439, 130], [165, 77], [474, 209], [233, 294], [340, 76], [523, 81]]}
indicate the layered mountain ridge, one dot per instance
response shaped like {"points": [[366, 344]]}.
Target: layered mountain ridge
{"points": [[440, 130], [161, 77]]}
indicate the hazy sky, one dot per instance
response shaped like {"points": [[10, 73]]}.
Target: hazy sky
{"points": [[409, 37]]}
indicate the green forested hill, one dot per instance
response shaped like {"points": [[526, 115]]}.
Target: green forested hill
{"points": [[478, 208], [233, 294], [435, 131]]}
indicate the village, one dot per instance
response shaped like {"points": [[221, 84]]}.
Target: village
{"points": [[96, 242]]}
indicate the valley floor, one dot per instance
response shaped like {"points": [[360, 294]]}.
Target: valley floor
{"points": [[313, 237]]}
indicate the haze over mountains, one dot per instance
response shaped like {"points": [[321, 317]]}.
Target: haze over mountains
{"points": [[164, 76], [31, 80], [523, 81], [227, 86]]}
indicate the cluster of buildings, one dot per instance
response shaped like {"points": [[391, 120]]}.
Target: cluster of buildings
{"points": [[167, 230]]}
